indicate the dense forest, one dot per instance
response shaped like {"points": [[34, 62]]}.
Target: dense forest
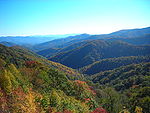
{"points": [[29, 84], [132, 80], [96, 50], [112, 63], [111, 74]]}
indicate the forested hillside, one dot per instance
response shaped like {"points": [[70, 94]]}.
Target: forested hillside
{"points": [[97, 50], [53, 51], [74, 56], [133, 36], [133, 80], [112, 63], [139, 40], [125, 77], [18, 56], [29, 83], [32, 84], [60, 43]]}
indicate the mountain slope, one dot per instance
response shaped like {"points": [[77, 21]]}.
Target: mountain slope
{"points": [[112, 63], [96, 50], [53, 51], [122, 34], [29, 84], [140, 40], [31, 40], [131, 33], [48, 52], [132, 81], [8, 44], [18, 56], [125, 77], [60, 43]]}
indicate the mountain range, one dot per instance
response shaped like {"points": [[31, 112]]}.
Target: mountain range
{"points": [[97, 50], [108, 73], [31, 40], [131, 34]]}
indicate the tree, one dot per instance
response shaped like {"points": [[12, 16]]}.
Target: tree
{"points": [[110, 100], [138, 109], [5, 81]]}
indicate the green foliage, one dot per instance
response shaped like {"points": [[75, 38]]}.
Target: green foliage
{"points": [[31, 84], [124, 111], [110, 100], [112, 63], [5, 80], [61, 101], [54, 99], [96, 50], [140, 98], [19, 56], [2, 63], [135, 75]]}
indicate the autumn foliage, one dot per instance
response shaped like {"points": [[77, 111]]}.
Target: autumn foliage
{"points": [[99, 110], [30, 84]]}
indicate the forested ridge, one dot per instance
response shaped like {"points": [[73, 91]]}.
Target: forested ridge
{"points": [[132, 80], [112, 63], [31, 84], [96, 50], [111, 74]]}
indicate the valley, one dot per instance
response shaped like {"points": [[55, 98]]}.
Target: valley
{"points": [[84, 73]]}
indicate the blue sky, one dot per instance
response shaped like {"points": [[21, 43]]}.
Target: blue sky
{"points": [[40, 17]]}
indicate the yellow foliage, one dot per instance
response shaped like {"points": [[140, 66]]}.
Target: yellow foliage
{"points": [[61, 101], [23, 102], [124, 111], [5, 81], [138, 109]]}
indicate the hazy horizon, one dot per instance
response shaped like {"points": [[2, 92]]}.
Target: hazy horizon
{"points": [[70, 34]]}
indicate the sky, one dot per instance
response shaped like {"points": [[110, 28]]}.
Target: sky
{"points": [[43, 17]]}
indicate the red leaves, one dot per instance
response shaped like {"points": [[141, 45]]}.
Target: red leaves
{"points": [[99, 110], [87, 99], [91, 90], [84, 87], [31, 63], [19, 93]]}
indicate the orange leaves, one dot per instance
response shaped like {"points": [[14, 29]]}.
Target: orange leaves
{"points": [[99, 110], [80, 82], [31, 64], [19, 94], [23, 102]]}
